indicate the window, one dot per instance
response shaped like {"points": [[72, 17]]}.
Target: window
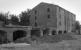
{"points": [[48, 16], [35, 24], [48, 9], [65, 31], [35, 12], [60, 32], [53, 32], [60, 13]]}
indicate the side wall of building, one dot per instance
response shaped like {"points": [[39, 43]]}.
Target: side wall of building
{"points": [[65, 20], [60, 19]]}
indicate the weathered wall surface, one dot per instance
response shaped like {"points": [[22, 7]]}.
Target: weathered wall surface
{"points": [[55, 17], [44, 17], [60, 19], [10, 30], [65, 19]]}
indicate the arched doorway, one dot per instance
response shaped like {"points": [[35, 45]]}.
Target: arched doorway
{"points": [[19, 34], [53, 32], [46, 31], [3, 36], [60, 32], [65, 31]]}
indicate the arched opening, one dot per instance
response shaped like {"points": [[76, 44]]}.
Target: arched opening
{"points": [[19, 34], [35, 33], [3, 36], [60, 32], [65, 31], [53, 32], [46, 31]]}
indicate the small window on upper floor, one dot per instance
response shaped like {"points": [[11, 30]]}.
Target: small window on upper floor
{"points": [[48, 9], [48, 16], [35, 24], [35, 11]]}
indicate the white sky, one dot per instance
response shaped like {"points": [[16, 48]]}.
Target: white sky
{"points": [[17, 6]]}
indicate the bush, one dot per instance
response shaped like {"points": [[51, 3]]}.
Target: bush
{"points": [[55, 38], [46, 39], [23, 40]]}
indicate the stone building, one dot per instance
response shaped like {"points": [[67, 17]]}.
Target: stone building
{"points": [[53, 17], [45, 19], [14, 32]]}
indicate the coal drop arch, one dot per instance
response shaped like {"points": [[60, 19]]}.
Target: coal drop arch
{"points": [[19, 34], [3, 33], [3, 36]]}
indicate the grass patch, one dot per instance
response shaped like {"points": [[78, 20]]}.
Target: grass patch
{"points": [[46, 39], [55, 38]]}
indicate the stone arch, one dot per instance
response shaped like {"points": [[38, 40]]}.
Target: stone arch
{"points": [[53, 32], [46, 31], [2, 32], [65, 31], [19, 34], [3, 36], [60, 32]]}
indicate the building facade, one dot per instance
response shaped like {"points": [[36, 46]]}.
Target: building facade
{"points": [[45, 19], [51, 16]]}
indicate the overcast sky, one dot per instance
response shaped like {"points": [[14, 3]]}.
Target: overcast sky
{"points": [[17, 6]]}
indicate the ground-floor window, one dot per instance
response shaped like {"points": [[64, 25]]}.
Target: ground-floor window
{"points": [[60, 32], [53, 32]]}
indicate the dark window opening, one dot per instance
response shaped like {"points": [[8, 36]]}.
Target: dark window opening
{"points": [[35, 24], [35, 12], [2, 33], [48, 16], [3, 37], [53, 32], [46, 31], [60, 32], [48, 9], [18, 34], [65, 31], [59, 14], [59, 9]]}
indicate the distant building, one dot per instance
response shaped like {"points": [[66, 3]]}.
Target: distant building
{"points": [[51, 16], [45, 19]]}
